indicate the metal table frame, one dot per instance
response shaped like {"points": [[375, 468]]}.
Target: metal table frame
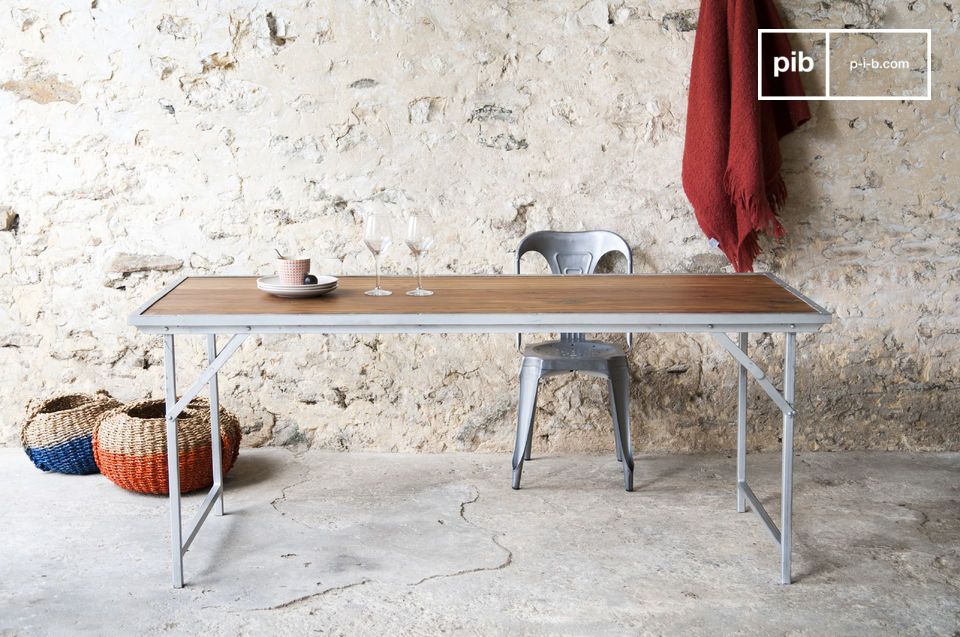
{"points": [[239, 327]]}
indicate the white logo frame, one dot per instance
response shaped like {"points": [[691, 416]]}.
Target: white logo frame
{"points": [[827, 96]]}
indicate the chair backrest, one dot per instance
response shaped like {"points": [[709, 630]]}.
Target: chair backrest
{"points": [[574, 253]]}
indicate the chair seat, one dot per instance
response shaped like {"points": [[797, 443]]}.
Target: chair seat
{"points": [[573, 350]]}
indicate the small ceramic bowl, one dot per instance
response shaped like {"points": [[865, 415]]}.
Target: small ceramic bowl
{"points": [[292, 271]]}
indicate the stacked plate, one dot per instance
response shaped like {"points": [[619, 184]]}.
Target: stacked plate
{"points": [[272, 285]]}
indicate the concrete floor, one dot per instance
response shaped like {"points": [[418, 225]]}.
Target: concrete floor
{"points": [[426, 544]]}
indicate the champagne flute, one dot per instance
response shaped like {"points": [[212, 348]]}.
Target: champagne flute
{"points": [[376, 234], [419, 240]]}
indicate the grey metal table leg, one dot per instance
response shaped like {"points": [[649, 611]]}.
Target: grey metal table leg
{"points": [[786, 500], [785, 401], [215, 445], [741, 425], [214, 499], [173, 468]]}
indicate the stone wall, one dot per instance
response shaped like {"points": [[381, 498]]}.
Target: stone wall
{"points": [[144, 141]]}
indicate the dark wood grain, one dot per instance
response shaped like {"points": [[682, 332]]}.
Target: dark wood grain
{"points": [[606, 294]]}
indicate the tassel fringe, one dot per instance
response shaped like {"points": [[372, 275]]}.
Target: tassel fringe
{"points": [[755, 215]]}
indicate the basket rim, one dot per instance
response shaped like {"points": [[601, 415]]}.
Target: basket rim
{"points": [[91, 399], [196, 404], [100, 399], [117, 431]]}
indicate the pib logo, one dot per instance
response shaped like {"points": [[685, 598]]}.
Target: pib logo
{"points": [[797, 62], [842, 56]]}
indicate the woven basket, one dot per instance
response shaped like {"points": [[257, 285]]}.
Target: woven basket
{"points": [[57, 432], [130, 445]]}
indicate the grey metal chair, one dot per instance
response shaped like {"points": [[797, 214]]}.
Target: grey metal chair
{"points": [[574, 253]]}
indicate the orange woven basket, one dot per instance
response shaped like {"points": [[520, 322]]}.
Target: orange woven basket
{"points": [[130, 445]]}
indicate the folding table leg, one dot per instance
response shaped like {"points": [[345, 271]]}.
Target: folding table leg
{"points": [[173, 468], [215, 445], [785, 401], [214, 499], [741, 426], [786, 500]]}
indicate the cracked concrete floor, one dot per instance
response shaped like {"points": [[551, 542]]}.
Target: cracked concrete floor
{"points": [[425, 544]]}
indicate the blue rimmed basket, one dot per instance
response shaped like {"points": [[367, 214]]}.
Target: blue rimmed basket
{"points": [[57, 432]]}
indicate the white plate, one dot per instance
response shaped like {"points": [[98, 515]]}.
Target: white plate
{"points": [[299, 294], [305, 294], [329, 284], [299, 288], [274, 283]]}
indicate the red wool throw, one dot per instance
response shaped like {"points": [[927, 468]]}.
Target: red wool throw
{"points": [[731, 157]]}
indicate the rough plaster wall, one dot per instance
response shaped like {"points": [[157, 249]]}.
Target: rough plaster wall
{"points": [[143, 141]]}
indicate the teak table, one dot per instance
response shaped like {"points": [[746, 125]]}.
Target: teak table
{"points": [[718, 304]]}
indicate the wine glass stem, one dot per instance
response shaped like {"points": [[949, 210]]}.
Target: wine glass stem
{"points": [[419, 277], [377, 259]]}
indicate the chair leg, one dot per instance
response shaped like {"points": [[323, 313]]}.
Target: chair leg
{"points": [[620, 382], [529, 380], [528, 450], [613, 414]]}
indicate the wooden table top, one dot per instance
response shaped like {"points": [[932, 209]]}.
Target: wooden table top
{"points": [[606, 295]]}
